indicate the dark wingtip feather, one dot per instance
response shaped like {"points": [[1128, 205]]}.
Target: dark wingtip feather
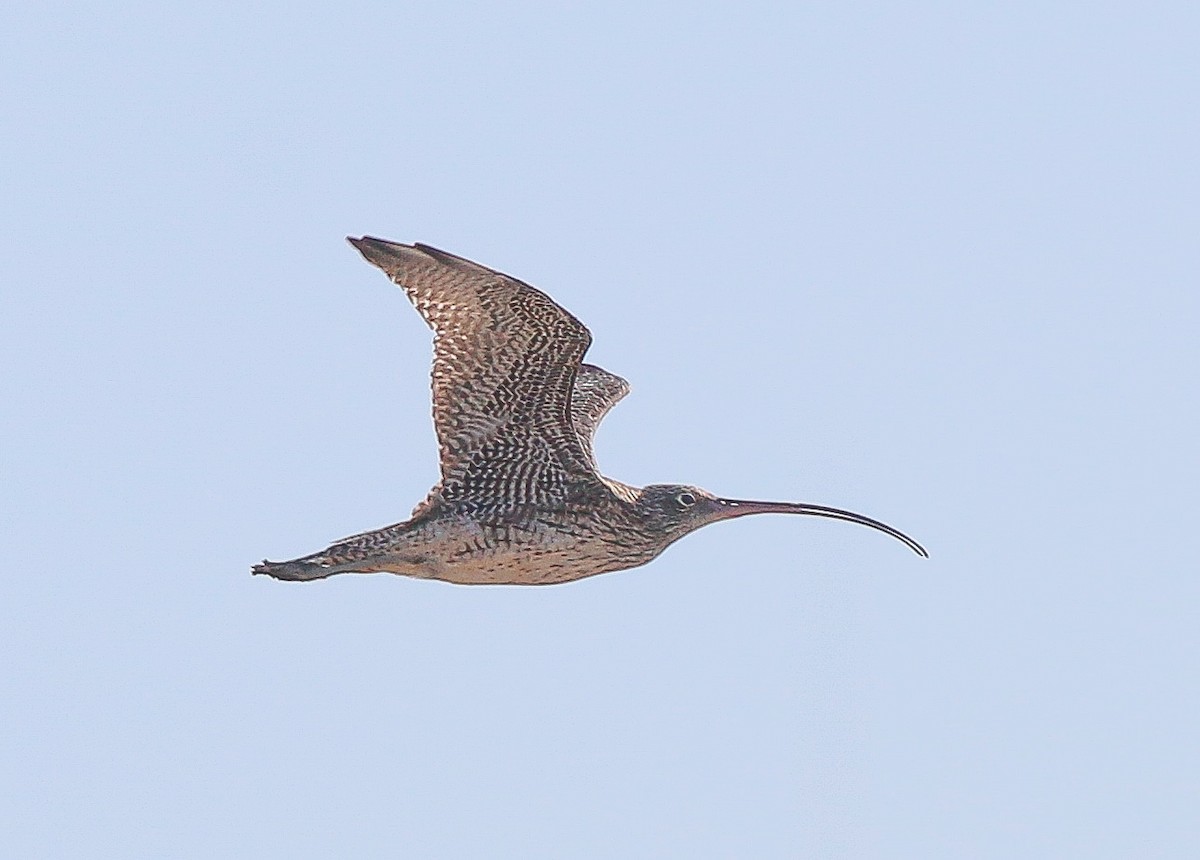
{"points": [[382, 253], [448, 259]]}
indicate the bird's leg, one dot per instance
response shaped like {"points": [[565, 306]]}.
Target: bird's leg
{"points": [[298, 570], [319, 566]]}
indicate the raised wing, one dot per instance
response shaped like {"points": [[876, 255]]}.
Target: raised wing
{"points": [[505, 360], [596, 392]]}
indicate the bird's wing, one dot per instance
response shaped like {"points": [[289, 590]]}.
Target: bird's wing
{"points": [[505, 359], [596, 391]]}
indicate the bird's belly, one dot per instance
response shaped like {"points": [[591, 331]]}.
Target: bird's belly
{"points": [[474, 554]]}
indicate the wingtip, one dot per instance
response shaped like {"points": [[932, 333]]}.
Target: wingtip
{"points": [[362, 243], [388, 255], [380, 252]]}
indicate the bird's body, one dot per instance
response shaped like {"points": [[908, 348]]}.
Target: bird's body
{"points": [[523, 547], [520, 500]]}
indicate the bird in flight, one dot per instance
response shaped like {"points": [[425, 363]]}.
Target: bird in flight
{"points": [[520, 500]]}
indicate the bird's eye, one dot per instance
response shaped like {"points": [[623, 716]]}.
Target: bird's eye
{"points": [[686, 499]]}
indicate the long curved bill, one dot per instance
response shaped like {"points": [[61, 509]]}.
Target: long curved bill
{"points": [[729, 508]]}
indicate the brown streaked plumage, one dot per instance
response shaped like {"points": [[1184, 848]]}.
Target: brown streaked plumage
{"points": [[520, 500]]}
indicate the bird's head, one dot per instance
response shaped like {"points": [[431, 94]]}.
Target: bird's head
{"points": [[675, 510]]}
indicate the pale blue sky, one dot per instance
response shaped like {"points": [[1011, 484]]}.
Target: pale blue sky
{"points": [[934, 262]]}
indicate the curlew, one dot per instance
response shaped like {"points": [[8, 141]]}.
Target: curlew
{"points": [[520, 500]]}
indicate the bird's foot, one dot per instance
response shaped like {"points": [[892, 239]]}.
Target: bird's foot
{"points": [[294, 571]]}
